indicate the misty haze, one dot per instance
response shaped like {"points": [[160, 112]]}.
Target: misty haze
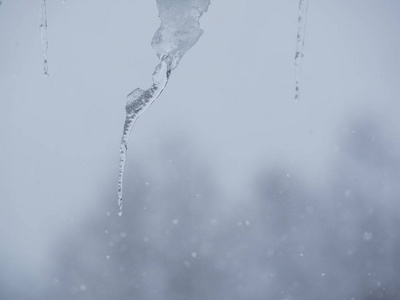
{"points": [[232, 188]]}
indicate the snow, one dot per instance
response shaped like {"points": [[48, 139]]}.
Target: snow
{"points": [[367, 236], [178, 32], [227, 141]]}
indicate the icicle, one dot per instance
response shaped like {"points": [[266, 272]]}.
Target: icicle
{"points": [[178, 32], [43, 34], [138, 101], [302, 23]]}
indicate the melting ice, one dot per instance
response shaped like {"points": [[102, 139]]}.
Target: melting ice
{"points": [[178, 32], [302, 23]]}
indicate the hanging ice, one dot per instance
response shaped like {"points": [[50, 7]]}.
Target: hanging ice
{"points": [[43, 34], [178, 32], [302, 23]]}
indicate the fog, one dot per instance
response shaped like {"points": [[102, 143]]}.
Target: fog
{"points": [[232, 189]]}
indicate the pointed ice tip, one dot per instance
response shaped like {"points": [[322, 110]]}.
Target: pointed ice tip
{"points": [[120, 213]]}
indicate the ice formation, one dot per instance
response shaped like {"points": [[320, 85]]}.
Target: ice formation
{"points": [[302, 23], [43, 34], [178, 32]]}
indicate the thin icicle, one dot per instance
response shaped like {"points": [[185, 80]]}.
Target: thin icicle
{"points": [[178, 32], [302, 24], [43, 34], [138, 101]]}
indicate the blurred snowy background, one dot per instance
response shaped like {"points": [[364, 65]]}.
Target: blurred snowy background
{"points": [[232, 190]]}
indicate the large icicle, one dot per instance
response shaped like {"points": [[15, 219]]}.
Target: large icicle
{"points": [[302, 23], [178, 32], [43, 34]]}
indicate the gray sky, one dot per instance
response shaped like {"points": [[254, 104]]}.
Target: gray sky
{"points": [[232, 96]]}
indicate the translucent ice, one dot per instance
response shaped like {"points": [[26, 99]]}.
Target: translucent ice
{"points": [[43, 34], [178, 32], [301, 31], [179, 29], [138, 101]]}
